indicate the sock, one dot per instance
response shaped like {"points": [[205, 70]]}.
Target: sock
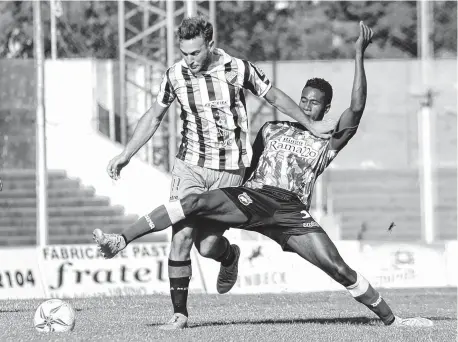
{"points": [[180, 273], [364, 293], [159, 219], [228, 256]]}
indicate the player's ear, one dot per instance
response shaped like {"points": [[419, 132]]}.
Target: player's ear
{"points": [[327, 108], [211, 45]]}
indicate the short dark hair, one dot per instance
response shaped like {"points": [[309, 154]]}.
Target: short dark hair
{"points": [[323, 85], [193, 27]]}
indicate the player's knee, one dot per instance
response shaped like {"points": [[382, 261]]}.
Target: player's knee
{"points": [[194, 204]]}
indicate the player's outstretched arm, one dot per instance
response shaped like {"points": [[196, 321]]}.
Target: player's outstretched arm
{"points": [[145, 129], [351, 117], [286, 105]]}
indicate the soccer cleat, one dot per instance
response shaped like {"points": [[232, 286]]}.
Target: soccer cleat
{"points": [[227, 276], [109, 244], [414, 322], [177, 322]]}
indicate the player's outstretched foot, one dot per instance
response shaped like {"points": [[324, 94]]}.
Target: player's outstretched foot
{"points": [[109, 244], [177, 322], [415, 322], [227, 276]]}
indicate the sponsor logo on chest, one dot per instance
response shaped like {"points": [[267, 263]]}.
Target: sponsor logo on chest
{"points": [[217, 104], [298, 147]]}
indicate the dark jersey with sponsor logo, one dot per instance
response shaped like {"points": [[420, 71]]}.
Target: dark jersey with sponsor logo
{"points": [[213, 111], [289, 157]]}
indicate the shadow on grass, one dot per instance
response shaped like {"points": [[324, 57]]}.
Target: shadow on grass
{"points": [[330, 320]]}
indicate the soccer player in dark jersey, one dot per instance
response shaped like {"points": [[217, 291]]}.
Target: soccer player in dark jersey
{"points": [[275, 199], [215, 150]]}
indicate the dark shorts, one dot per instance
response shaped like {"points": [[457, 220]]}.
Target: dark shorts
{"points": [[273, 212]]}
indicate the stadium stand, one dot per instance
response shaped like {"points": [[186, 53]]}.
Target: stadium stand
{"points": [[74, 210], [377, 198]]}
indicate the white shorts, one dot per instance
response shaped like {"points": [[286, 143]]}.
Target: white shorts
{"points": [[192, 179]]}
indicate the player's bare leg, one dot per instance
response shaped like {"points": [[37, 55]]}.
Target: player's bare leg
{"points": [[211, 243], [318, 249]]}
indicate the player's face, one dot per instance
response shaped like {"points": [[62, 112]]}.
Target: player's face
{"points": [[313, 103], [196, 53]]}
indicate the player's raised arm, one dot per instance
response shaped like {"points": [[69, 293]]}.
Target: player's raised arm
{"points": [[349, 121]]}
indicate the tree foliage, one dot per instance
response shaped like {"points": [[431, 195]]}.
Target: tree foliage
{"points": [[257, 30]]}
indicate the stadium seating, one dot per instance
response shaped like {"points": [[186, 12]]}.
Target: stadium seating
{"points": [[376, 198], [74, 210]]}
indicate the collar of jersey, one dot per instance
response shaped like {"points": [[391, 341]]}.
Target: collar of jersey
{"points": [[227, 59]]}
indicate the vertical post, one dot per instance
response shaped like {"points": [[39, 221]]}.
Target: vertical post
{"points": [[110, 101], [122, 72], [212, 12], [52, 14], [41, 172], [191, 8], [425, 141], [146, 85], [170, 60], [274, 82]]}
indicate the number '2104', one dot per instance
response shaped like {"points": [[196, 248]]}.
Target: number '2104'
{"points": [[16, 278]]}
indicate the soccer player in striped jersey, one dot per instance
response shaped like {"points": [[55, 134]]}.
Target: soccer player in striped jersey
{"points": [[275, 200], [215, 149]]}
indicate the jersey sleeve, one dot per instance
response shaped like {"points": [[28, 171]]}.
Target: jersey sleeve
{"points": [[166, 94], [255, 80]]}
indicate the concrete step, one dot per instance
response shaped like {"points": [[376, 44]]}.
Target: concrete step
{"points": [[385, 174], [52, 193], [15, 240], [77, 201], [69, 220], [362, 175], [70, 229], [59, 183], [25, 174], [376, 236], [447, 235], [379, 188], [65, 211], [347, 206]]}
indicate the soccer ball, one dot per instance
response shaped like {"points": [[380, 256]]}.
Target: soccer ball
{"points": [[54, 315]]}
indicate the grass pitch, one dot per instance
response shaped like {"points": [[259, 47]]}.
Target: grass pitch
{"points": [[325, 316]]}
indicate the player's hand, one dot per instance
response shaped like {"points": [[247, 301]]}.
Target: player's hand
{"points": [[323, 128], [365, 37], [116, 165]]}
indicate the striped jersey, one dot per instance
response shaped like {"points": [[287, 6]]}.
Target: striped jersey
{"points": [[291, 158], [213, 110]]}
